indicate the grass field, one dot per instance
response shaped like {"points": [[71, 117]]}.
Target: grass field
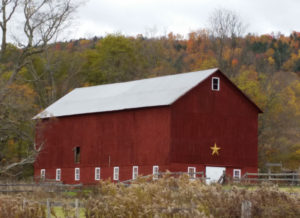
{"points": [[59, 212], [294, 189]]}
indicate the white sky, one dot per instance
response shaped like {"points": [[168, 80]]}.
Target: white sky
{"points": [[158, 17]]}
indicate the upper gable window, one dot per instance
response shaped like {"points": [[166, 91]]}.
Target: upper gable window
{"points": [[215, 84]]}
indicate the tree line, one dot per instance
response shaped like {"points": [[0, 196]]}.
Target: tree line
{"points": [[266, 67]]}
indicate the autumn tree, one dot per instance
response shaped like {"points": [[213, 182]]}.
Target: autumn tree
{"points": [[54, 73], [6, 17], [114, 59], [16, 129], [225, 27], [43, 20], [199, 53]]}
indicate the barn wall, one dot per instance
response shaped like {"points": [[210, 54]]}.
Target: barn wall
{"points": [[200, 168], [173, 137], [87, 174], [127, 138], [204, 117]]}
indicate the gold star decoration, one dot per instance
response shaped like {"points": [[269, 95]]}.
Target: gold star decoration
{"points": [[215, 149]]}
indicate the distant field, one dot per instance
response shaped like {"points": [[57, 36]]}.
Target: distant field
{"points": [[290, 189], [283, 188]]}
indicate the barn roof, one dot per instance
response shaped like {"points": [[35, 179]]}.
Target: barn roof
{"points": [[151, 92]]}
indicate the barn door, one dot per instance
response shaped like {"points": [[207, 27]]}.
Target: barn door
{"points": [[213, 174]]}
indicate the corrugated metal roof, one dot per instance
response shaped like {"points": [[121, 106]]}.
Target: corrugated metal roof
{"points": [[151, 92]]}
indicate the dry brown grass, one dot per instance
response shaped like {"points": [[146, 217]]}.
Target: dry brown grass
{"points": [[171, 197], [167, 197], [14, 207]]}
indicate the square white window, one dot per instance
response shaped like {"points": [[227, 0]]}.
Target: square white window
{"points": [[215, 84], [155, 172], [97, 173], [58, 174], [77, 174], [116, 173], [43, 173], [192, 172], [236, 173], [135, 172]]}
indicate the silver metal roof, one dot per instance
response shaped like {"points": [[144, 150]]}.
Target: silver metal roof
{"points": [[151, 92]]}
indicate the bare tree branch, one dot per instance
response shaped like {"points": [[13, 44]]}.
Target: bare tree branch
{"points": [[43, 21], [5, 4], [30, 159], [225, 27]]}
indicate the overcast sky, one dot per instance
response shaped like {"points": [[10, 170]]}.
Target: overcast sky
{"points": [[131, 17]]}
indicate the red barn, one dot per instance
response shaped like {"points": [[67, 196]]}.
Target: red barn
{"points": [[198, 121]]}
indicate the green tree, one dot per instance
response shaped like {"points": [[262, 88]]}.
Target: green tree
{"points": [[115, 59]]}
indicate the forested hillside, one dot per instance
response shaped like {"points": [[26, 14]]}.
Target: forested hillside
{"points": [[265, 67]]}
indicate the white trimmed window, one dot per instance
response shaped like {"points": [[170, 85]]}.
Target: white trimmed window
{"points": [[58, 174], [135, 172], [215, 84], [116, 173], [155, 172], [97, 173], [77, 174], [237, 173], [192, 172], [43, 173]]}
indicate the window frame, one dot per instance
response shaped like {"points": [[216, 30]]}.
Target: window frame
{"points": [[116, 175], [193, 176], [58, 174], [77, 174], [212, 83], [97, 175], [154, 173], [43, 174], [239, 173], [135, 174]]}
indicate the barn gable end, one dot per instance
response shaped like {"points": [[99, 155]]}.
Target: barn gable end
{"points": [[203, 117]]}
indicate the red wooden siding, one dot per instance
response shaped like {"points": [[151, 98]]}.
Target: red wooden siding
{"points": [[134, 137], [204, 117]]}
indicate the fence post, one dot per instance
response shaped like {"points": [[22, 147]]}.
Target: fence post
{"points": [[246, 209], [48, 209], [76, 208]]}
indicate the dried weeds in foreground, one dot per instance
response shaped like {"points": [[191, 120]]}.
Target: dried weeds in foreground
{"points": [[168, 197]]}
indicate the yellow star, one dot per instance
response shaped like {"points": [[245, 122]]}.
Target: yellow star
{"points": [[215, 149]]}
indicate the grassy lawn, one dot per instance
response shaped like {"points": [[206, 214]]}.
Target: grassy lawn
{"points": [[290, 189], [59, 212], [285, 188]]}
